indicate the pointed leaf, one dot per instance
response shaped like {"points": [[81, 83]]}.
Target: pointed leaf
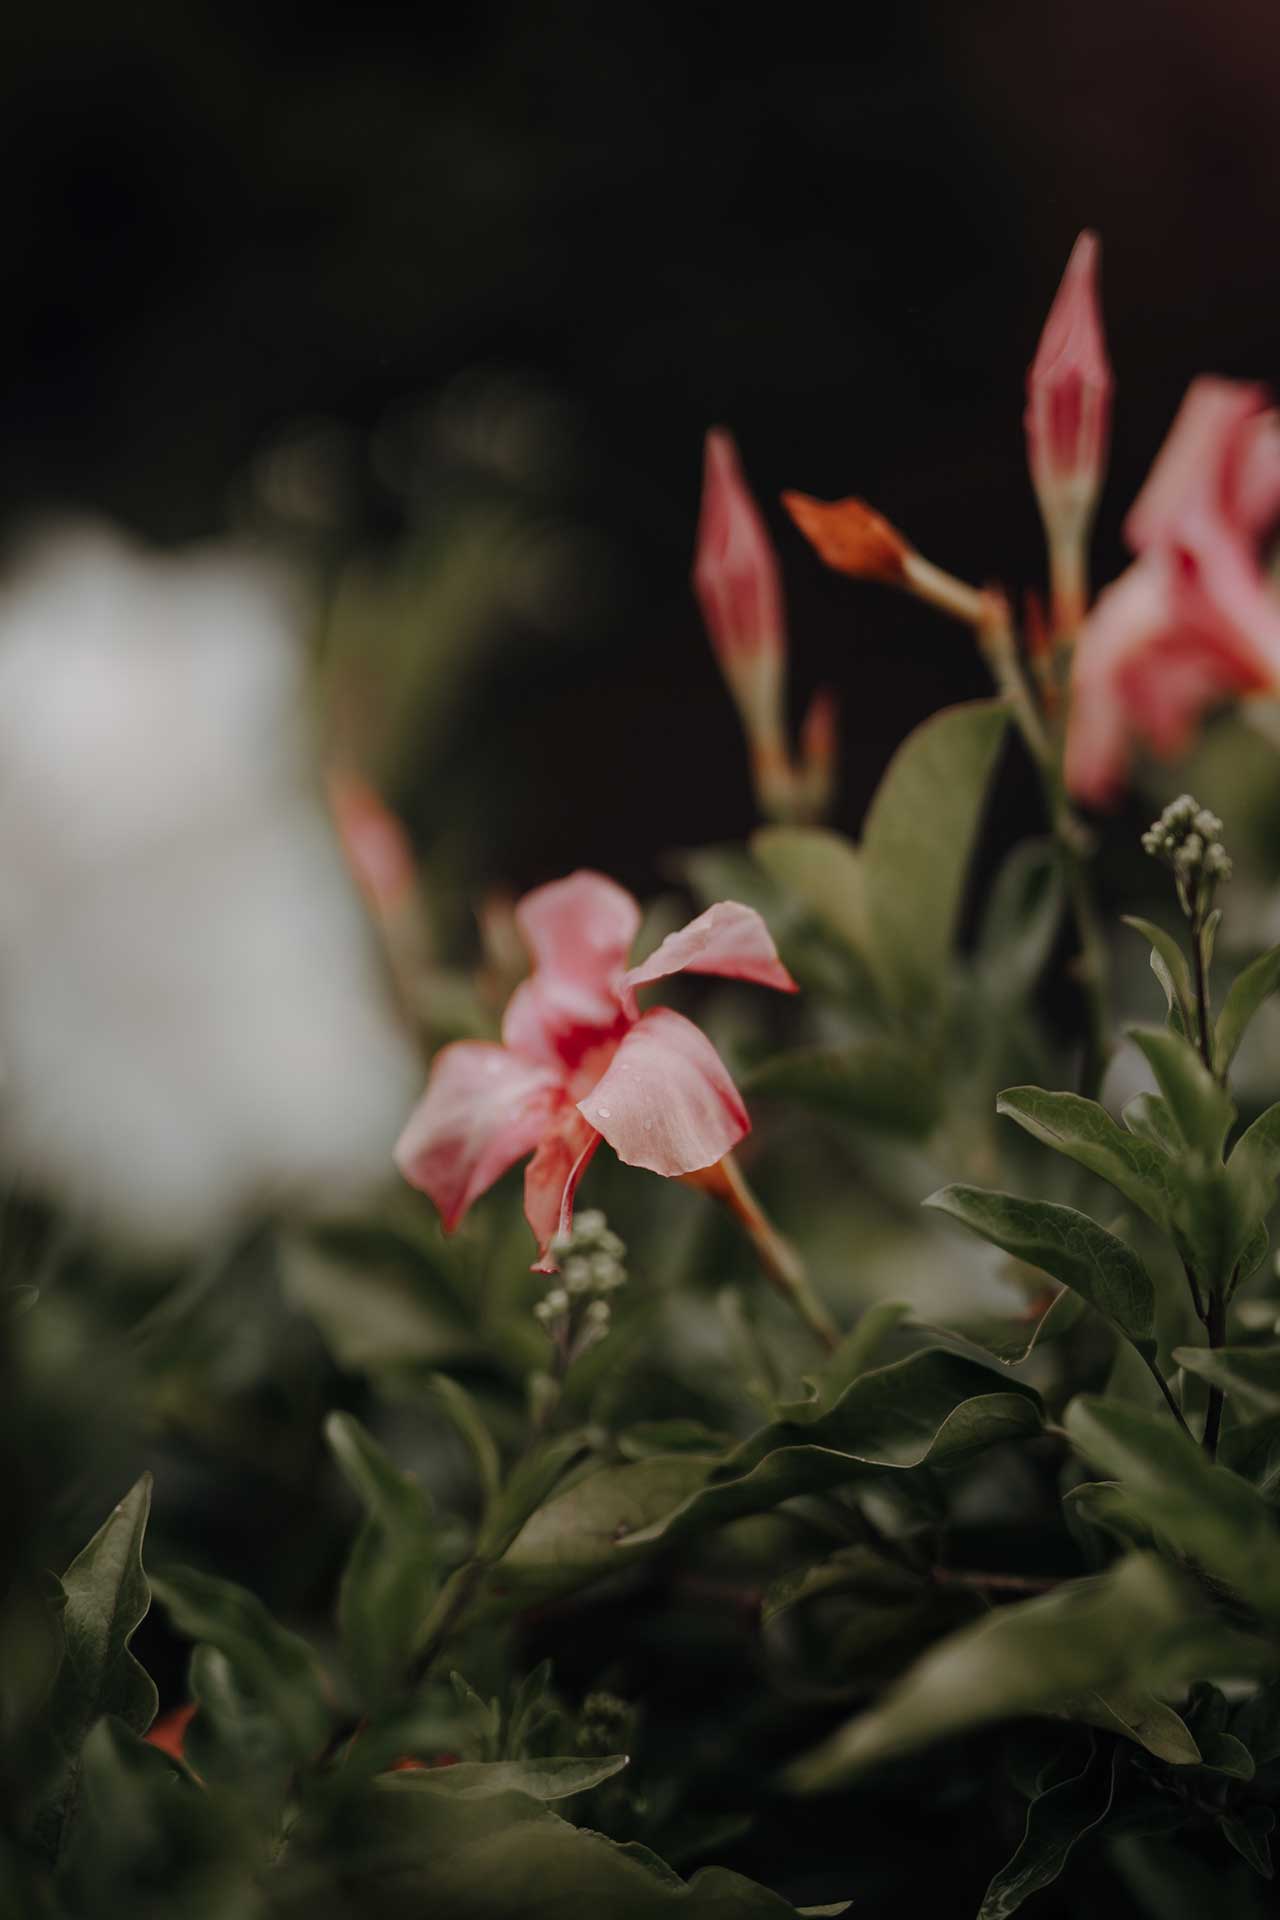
{"points": [[1205, 1511], [1247, 992], [1056, 1820], [916, 846], [1067, 1245], [277, 1669], [391, 1574], [1203, 1112], [1086, 1133], [467, 1419], [551, 1779], [107, 1600], [1169, 964], [823, 868]]}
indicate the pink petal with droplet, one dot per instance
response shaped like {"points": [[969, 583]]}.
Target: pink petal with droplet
{"points": [[483, 1110], [728, 939], [666, 1102]]}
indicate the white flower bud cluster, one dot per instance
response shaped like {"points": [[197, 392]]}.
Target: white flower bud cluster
{"points": [[1187, 837], [576, 1312]]}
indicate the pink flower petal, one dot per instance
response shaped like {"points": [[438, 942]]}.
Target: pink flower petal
{"points": [[728, 939], [560, 1022], [666, 1101], [551, 1179], [1198, 468], [482, 1111], [579, 928]]}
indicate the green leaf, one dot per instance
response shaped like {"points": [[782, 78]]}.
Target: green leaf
{"points": [[1251, 1375], [1086, 1133], [467, 1419], [551, 1779], [1142, 1718], [1258, 1149], [1148, 1116], [851, 1358], [824, 870], [1011, 1338], [1204, 1511], [274, 1667], [931, 1408], [1247, 992], [1069, 1246], [391, 1575], [1169, 964], [875, 1082], [916, 845], [1202, 1110], [1249, 1832], [1251, 1448], [376, 1300], [1021, 921], [107, 1600], [1111, 1631], [427, 1848], [1056, 1820]]}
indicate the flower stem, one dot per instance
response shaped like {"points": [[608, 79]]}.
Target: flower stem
{"points": [[1216, 1327], [779, 1261]]}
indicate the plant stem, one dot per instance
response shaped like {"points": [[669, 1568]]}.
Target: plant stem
{"points": [[1093, 962], [1163, 1385], [1201, 975], [779, 1262], [1216, 1324]]}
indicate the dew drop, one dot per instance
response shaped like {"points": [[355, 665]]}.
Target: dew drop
{"points": [[648, 1126], [604, 1113]]}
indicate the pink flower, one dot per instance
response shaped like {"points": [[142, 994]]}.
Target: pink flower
{"points": [[1069, 399], [1192, 621], [580, 1063], [739, 588]]}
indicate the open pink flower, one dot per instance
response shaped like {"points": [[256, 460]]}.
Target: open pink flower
{"points": [[1193, 620], [579, 1063]]}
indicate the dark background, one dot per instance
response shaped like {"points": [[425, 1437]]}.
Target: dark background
{"points": [[226, 219]]}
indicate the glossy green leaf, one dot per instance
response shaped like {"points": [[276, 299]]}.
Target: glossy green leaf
{"points": [[1086, 1133], [107, 1597], [273, 1666], [1202, 1110], [1033, 1656], [1251, 1375], [1205, 1511], [574, 1538], [391, 1573], [874, 1082], [1247, 992], [916, 845], [1067, 1245], [1056, 1820], [1169, 964]]}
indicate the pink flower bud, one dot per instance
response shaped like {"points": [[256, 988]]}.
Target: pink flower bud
{"points": [[736, 579], [1069, 400]]}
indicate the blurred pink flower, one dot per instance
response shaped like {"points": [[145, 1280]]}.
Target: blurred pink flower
{"points": [[1192, 621], [580, 1063], [1069, 400]]}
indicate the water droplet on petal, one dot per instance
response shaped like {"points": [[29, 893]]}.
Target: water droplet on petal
{"points": [[604, 1113], [648, 1126]]}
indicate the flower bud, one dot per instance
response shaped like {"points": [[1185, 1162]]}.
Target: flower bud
{"points": [[736, 579], [1067, 424]]}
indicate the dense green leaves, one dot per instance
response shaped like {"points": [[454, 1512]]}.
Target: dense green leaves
{"points": [[1202, 1510], [274, 1667], [1035, 1656], [874, 1081], [1067, 1245]]}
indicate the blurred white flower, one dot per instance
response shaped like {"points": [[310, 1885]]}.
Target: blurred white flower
{"points": [[192, 1020]]}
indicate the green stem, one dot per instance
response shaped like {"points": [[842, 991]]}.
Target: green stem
{"points": [[1163, 1385], [1201, 976], [1216, 1324], [1093, 963]]}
